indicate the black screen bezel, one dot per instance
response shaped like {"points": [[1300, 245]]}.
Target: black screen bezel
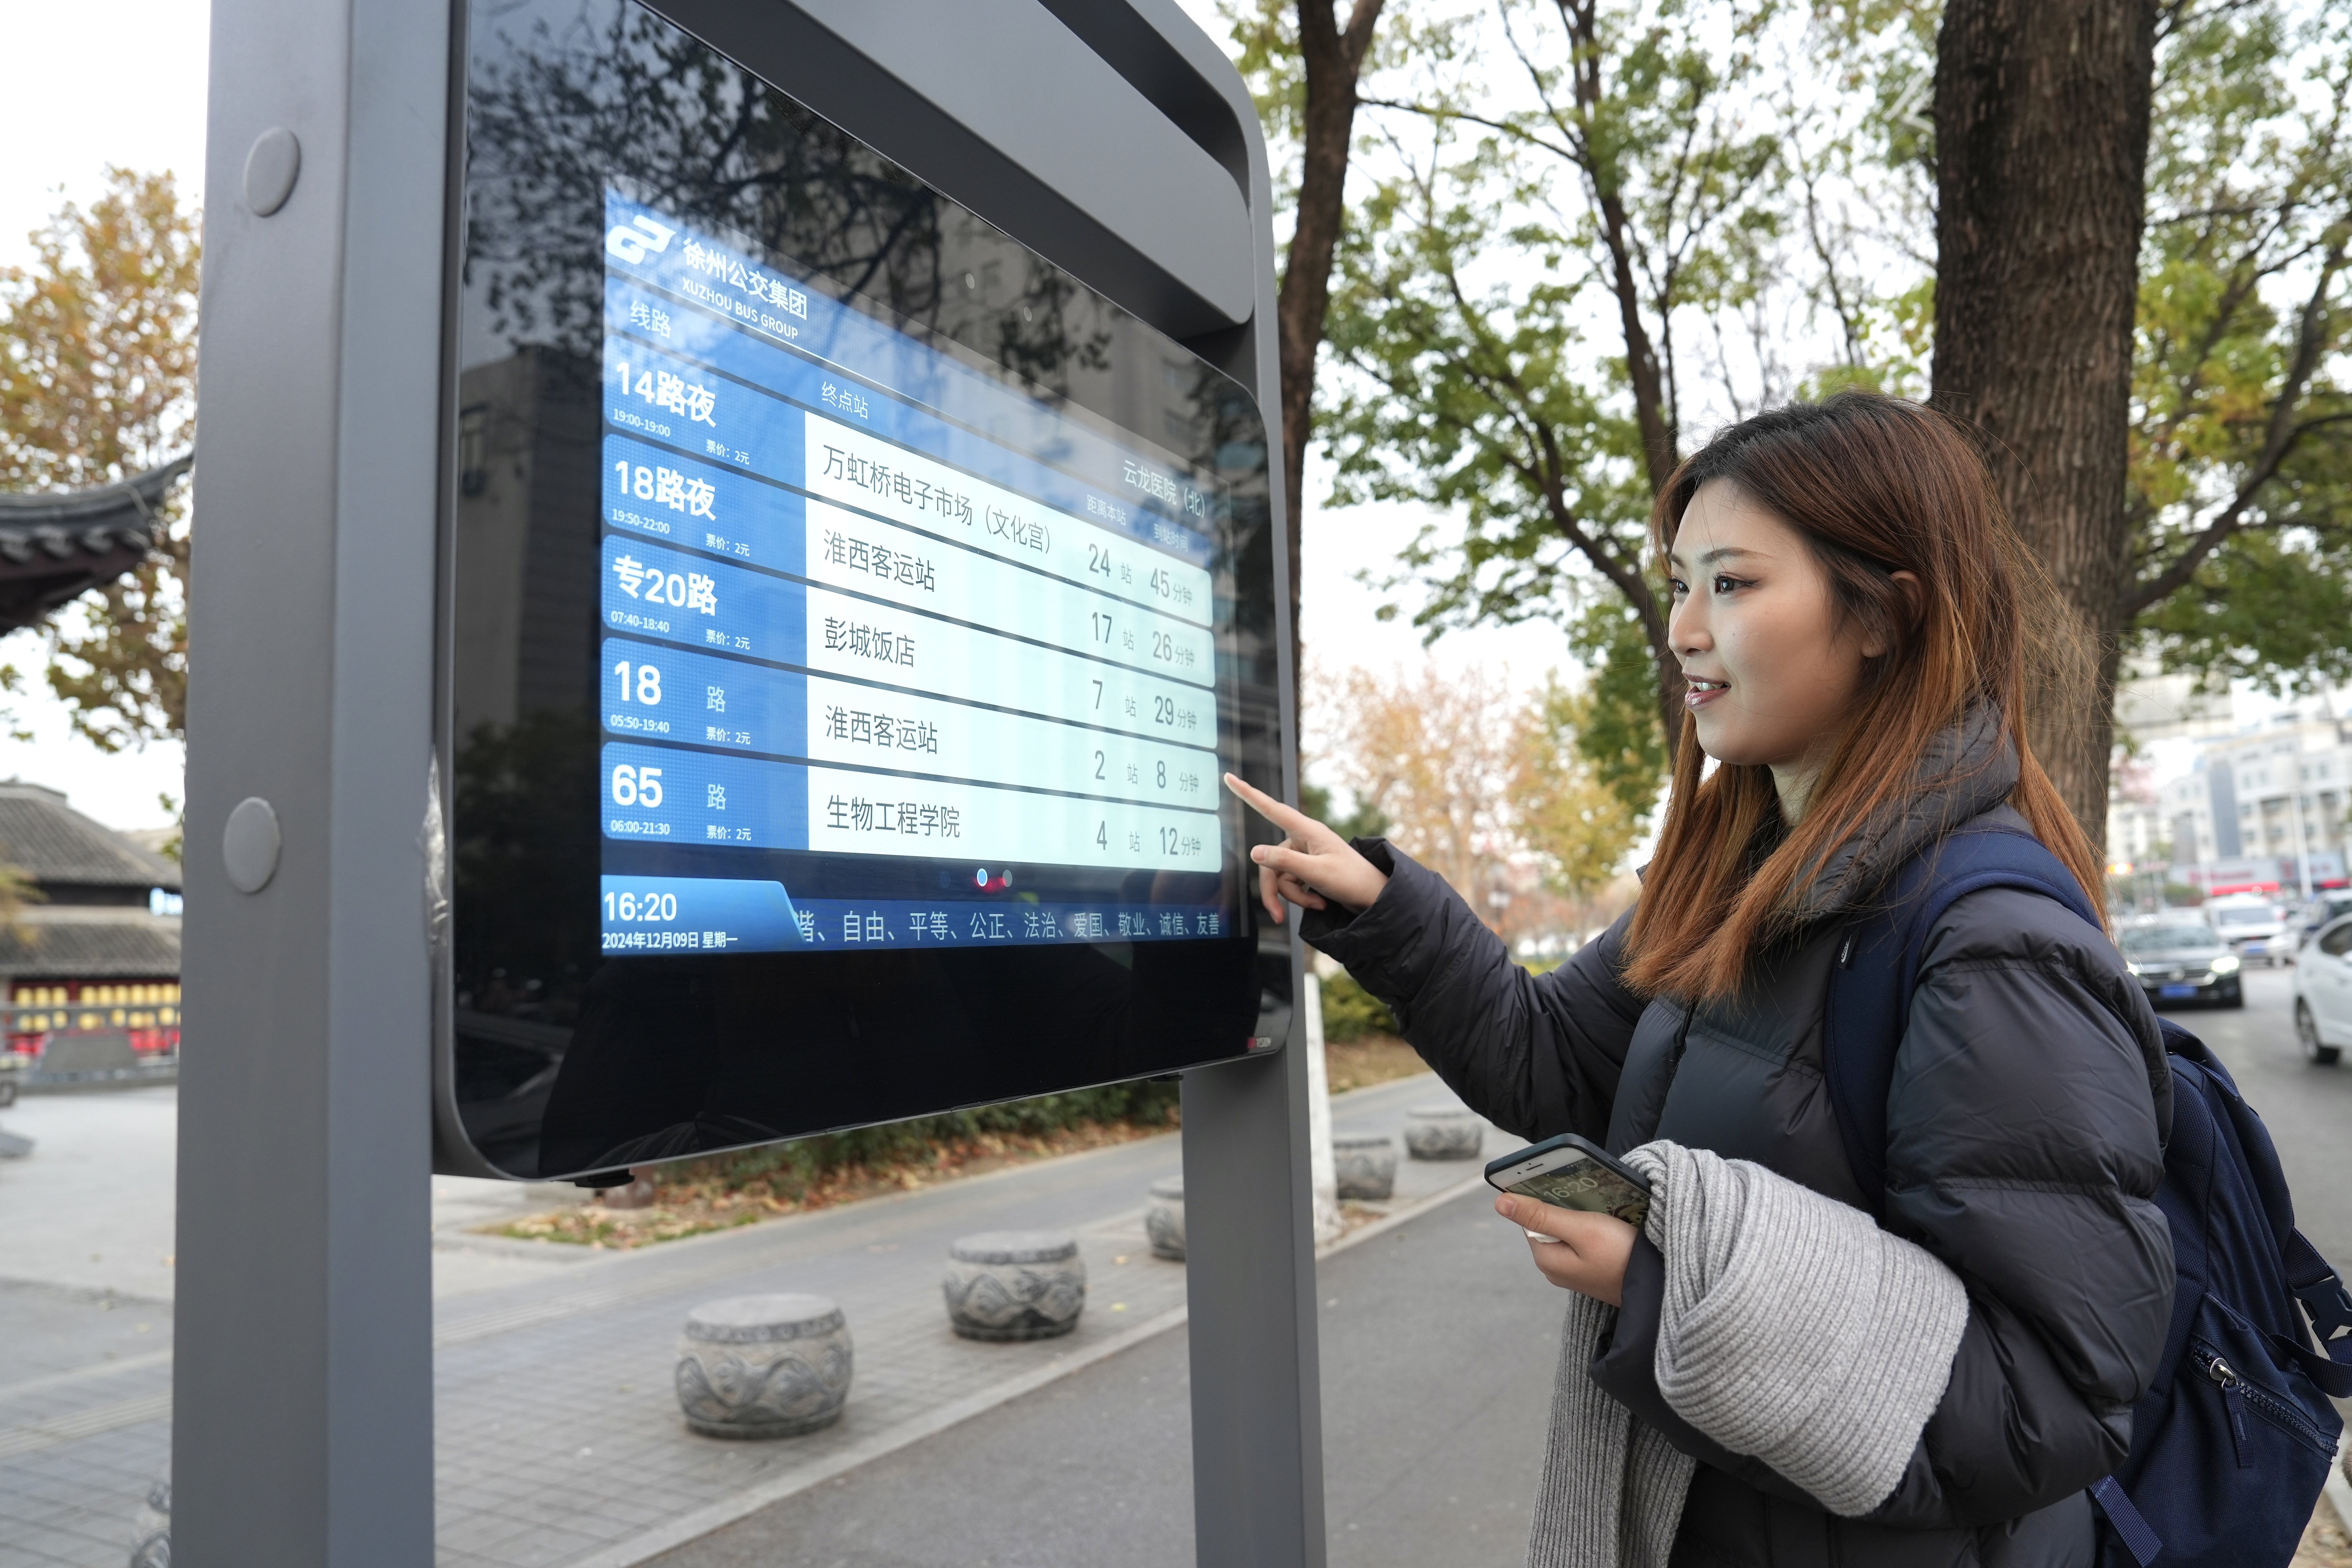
{"points": [[705, 1070]]}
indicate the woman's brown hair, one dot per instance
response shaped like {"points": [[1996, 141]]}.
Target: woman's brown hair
{"points": [[1875, 485]]}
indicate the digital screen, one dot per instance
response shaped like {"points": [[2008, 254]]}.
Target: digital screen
{"points": [[1589, 1185], [847, 614], [933, 662]]}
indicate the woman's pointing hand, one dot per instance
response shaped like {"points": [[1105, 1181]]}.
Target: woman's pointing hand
{"points": [[1312, 867]]}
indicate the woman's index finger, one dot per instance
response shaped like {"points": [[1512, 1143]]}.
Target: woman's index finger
{"points": [[1283, 817]]}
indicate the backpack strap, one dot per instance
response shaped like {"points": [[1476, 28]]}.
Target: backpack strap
{"points": [[1869, 1000], [2131, 1526], [2329, 1307], [2322, 1295], [1877, 966]]}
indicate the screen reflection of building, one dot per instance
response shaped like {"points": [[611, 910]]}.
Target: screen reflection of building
{"points": [[526, 535], [563, 1060], [522, 680]]}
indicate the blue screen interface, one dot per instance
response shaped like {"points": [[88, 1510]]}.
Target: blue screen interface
{"points": [[895, 653]]}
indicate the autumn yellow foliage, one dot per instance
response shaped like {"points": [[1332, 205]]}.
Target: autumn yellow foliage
{"points": [[98, 380], [1485, 788]]}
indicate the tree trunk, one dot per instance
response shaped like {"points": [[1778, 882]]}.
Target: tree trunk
{"points": [[1672, 688], [1661, 438], [1334, 59], [2041, 124]]}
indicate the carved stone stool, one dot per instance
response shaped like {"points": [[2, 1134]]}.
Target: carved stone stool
{"points": [[1443, 1132], [1164, 1221], [763, 1366], [1366, 1163], [1014, 1285]]}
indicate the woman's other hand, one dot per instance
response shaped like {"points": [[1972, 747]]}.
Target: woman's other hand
{"points": [[1587, 1253], [1312, 867]]}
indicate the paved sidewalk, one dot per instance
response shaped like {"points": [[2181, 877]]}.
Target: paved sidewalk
{"points": [[559, 1439], [91, 1209], [1438, 1347]]}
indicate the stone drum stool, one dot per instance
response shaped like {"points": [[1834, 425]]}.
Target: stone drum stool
{"points": [[1367, 1165], [1164, 1221], [763, 1366], [1014, 1285], [1443, 1132]]}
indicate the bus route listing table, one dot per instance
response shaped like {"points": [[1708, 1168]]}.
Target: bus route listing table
{"points": [[836, 621]]}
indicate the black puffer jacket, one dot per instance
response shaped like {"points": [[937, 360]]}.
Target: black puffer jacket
{"points": [[2026, 1124]]}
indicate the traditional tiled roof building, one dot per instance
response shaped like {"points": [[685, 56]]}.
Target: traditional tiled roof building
{"points": [[56, 545], [99, 941]]}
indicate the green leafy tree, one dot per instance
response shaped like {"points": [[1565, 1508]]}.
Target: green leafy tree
{"points": [[1577, 821], [97, 373], [1613, 720], [1526, 303], [2240, 505], [1542, 287]]}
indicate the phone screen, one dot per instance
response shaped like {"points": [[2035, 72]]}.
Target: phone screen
{"points": [[1585, 1184]]}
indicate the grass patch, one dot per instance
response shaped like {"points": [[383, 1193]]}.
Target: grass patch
{"points": [[1369, 1059], [695, 1197]]}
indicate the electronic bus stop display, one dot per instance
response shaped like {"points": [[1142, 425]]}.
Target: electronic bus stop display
{"points": [[982, 631], [849, 616]]}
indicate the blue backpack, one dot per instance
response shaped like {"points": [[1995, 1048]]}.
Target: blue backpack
{"points": [[2231, 1445]]}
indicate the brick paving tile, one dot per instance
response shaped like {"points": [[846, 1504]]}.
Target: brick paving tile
{"points": [[18, 1525], [528, 1376], [36, 1405], [477, 1532], [448, 1556], [542, 1548], [14, 1556], [27, 1508], [51, 1544], [452, 1503]]}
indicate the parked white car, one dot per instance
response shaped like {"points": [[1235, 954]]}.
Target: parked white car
{"points": [[2250, 926], [2323, 994], [2322, 908]]}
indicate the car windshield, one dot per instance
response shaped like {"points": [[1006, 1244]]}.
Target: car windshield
{"points": [[2252, 915], [2151, 939]]}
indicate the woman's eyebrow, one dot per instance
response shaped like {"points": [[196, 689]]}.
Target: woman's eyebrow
{"points": [[1720, 553]]}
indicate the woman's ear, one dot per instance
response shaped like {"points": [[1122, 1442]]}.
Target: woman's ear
{"points": [[1908, 584]]}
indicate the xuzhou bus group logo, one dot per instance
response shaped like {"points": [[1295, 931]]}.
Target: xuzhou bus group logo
{"points": [[641, 236], [635, 240]]}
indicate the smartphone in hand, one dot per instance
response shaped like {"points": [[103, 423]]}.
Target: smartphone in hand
{"points": [[1572, 1172]]}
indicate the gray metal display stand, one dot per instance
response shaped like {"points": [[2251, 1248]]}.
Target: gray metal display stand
{"points": [[1111, 135]]}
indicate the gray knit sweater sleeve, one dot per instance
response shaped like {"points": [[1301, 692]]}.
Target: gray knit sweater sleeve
{"points": [[1791, 1330], [1794, 1329]]}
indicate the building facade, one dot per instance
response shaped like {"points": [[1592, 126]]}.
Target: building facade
{"points": [[92, 951], [2280, 796]]}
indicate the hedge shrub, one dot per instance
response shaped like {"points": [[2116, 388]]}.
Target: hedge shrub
{"points": [[1351, 1012], [789, 1168]]}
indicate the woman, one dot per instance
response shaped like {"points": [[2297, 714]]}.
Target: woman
{"points": [[1850, 617]]}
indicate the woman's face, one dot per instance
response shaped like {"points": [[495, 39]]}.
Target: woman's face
{"points": [[1772, 682]]}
